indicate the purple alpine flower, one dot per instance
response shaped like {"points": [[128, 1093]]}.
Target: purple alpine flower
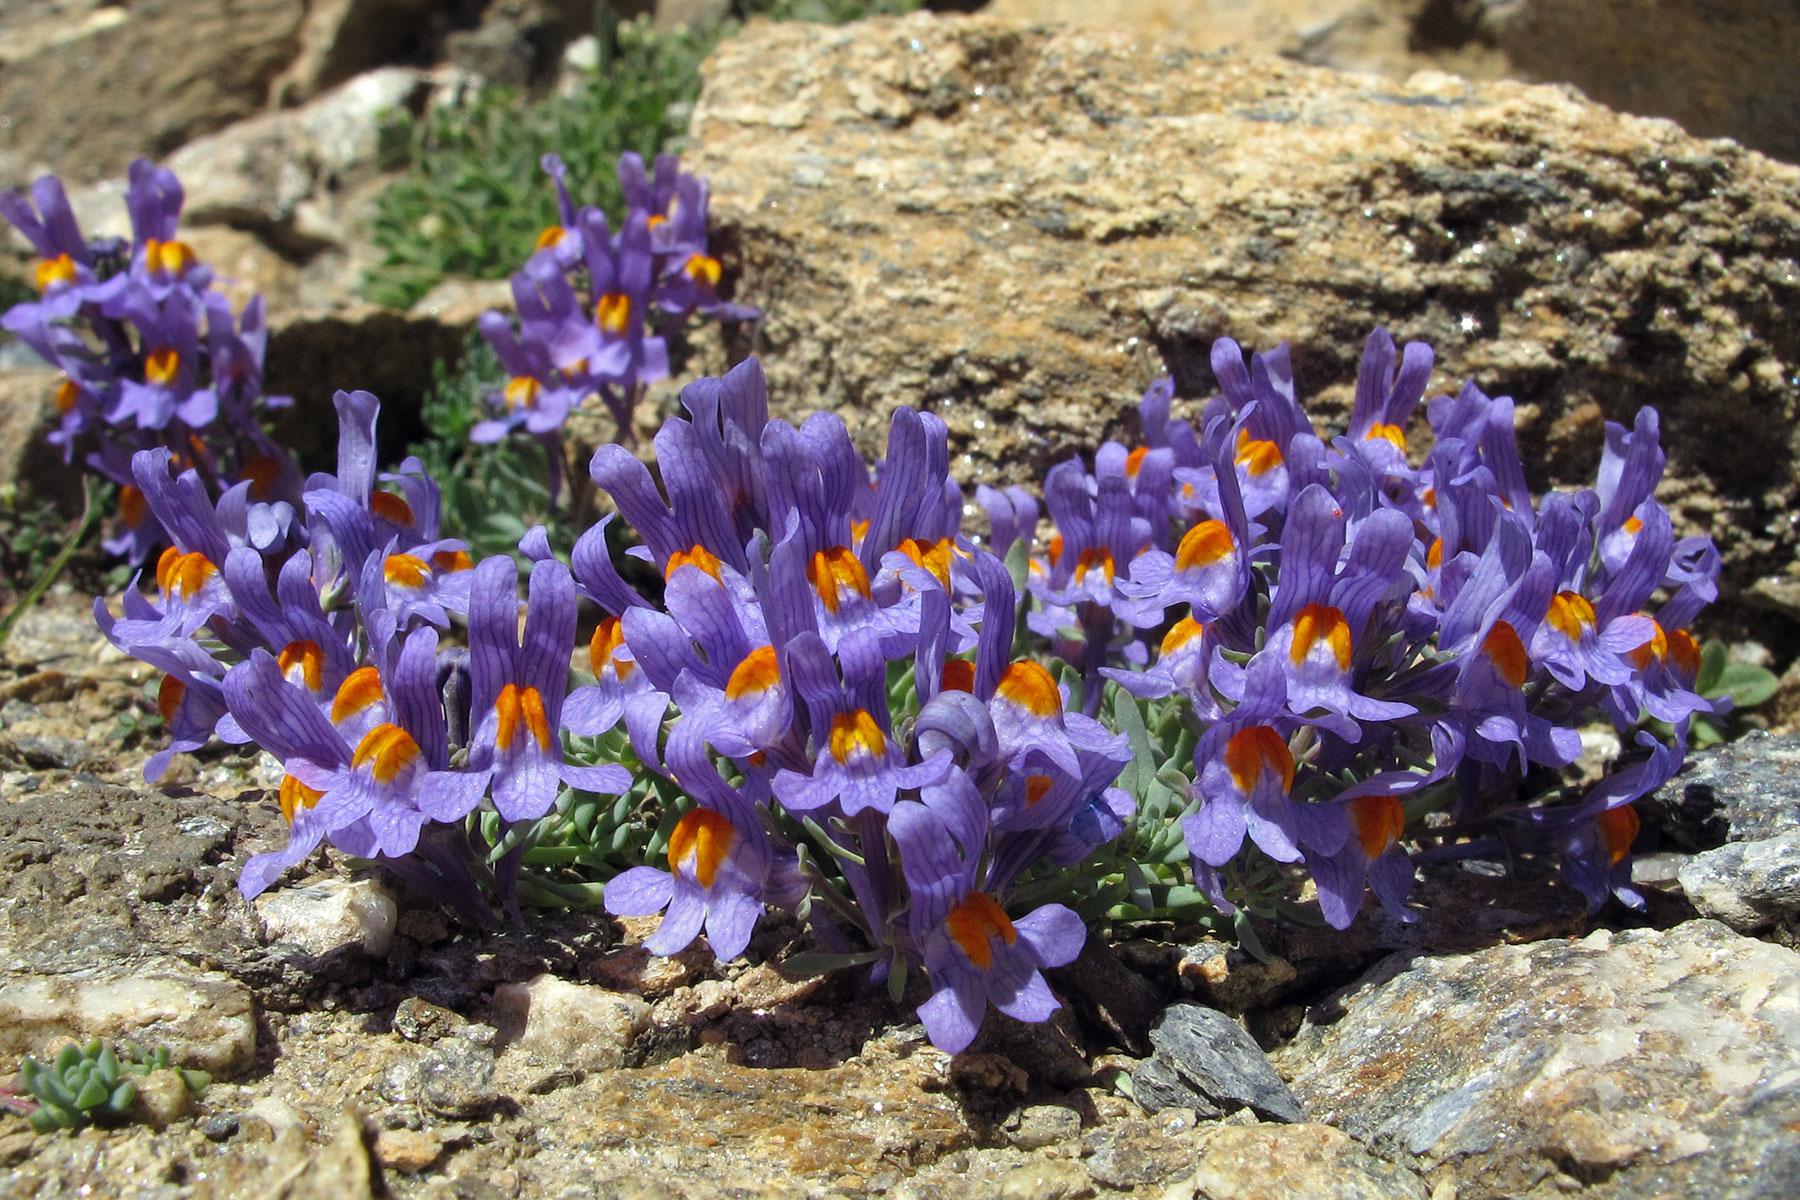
{"points": [[974, 953], [517, 691]]}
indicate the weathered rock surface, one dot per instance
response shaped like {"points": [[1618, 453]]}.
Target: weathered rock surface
{"points": [[553, 1023], [1739, 806], [1643, 1063], [1718, 70], [1205, 1061], [143, 79], [1012, 227], [205, 1018], [1295, 1162], [335, 916], [1751, 886], [1739, 792]]}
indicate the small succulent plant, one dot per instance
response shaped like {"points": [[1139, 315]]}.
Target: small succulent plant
{"points": [[91, 1083]]}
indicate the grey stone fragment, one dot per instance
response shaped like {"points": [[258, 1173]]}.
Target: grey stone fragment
{"points": [[1208, 1056], [1644, 1063], [457, 1079], [1739, 792], [1751, 886]]}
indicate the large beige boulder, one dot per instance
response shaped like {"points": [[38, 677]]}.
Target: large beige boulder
{"points": [[1017, 227]]}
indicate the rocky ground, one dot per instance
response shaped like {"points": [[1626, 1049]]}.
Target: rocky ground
{"points": [[365, 1045], [1103, 199]]}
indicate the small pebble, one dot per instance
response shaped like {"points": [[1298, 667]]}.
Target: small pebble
{"points": [[221, 1127]]}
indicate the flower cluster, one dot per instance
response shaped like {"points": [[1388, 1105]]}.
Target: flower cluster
{"points": [[1361, 638], [859, 742], [328, 654], [595, 307], [151, 355]]}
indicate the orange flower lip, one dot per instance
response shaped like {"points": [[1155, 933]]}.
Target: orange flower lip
{"points": [[522, 708], [308, 659], [1203, 545], [360, 689], [1507, 652], [603, 648], [1258, 457], [179, 574], [836, 575], [1252, 752], [1031, 687], [705, 838], [700, 557], [405, 570], [856, 735], [1378, 821], [296, 796], [1318, 623], [612, 312], [1571, 615], [53, 272], [756, 674], [386, 750], [973, 925]]}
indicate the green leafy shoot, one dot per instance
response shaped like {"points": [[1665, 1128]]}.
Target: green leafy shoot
{"points": [[92, 1084], [1749, 687]]}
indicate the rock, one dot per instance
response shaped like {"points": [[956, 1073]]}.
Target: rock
{"points": [[338, 1171], [340, 39], [1751, 886], [1136, 1153], [1290, 27], [332, 916], [551, 1022], [1741, 791], [1719, 72], [419, 1020], [27, 413], [220, 1127], [1040, 1125], [408, 1151], [1646, 1063], [205, 1018], [457, 1079], [460, 302], [1227, 978], [162, 1099], [1109, 204], [160, 73], [1296, 1162], [1051, 1179], [279, 173], [1215, 1063]]}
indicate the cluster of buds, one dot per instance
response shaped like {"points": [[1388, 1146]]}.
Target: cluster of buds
{"points": [[829, 675], [1360, 642], [151, 355], [594, 307]]}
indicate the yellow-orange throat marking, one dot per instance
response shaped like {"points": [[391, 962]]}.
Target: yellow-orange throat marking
{"points": [[1255, 750], [973, 924], [516, 707], [386, 750], [705, 838]]}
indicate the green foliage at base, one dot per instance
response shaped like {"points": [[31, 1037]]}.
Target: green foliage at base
{"points": [[91, 1083]]}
